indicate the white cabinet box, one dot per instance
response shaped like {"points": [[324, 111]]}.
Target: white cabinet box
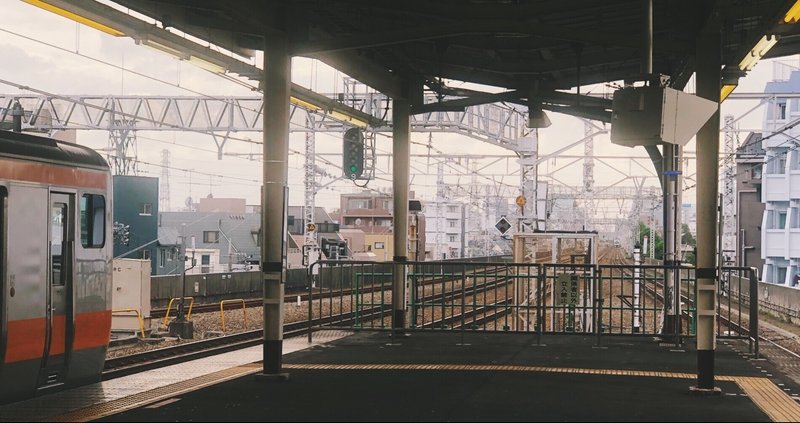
{"points": [[131, 291]]}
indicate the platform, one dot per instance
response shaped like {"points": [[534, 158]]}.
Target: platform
{"points": [[443, 377], [112, 396]]}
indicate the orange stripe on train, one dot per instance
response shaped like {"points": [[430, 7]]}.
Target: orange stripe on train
{"points": [[92, 329], [26, 338], [52, 174]]}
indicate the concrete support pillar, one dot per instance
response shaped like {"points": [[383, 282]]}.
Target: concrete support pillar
{"points": [[708, 62], [401, 158], [277, 81]]}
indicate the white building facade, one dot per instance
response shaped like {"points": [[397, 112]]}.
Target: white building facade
{"points": [[780, 225], [444, 230]]}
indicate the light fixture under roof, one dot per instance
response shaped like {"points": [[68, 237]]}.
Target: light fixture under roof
{"points": [[793, 15], [75, 17], [725, 91], [205, 64], [163, 48], [758, 51]]}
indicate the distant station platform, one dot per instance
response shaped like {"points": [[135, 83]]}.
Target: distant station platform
{"points": [[369, 376]]}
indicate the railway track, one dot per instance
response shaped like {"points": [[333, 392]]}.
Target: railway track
{"points": [[158, 313], [134, 363], [478, 315]]}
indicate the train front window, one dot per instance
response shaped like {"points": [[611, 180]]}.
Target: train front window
{"points": [[93, 220]]}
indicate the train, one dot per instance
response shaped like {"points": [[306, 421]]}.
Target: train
{"points": [[56, 245]]}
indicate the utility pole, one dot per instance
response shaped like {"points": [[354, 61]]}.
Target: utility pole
{"points": [[588, 176], [163, 190], [310, 246], [439, 204], [179, 326], [728, 233]]}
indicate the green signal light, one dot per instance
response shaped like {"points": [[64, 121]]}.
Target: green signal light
{"points": [[353, 168]]}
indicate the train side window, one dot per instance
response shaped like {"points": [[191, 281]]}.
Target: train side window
{"points": [[93, 220]]}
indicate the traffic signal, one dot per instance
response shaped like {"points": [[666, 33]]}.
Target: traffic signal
{"points": [[353, 153]]}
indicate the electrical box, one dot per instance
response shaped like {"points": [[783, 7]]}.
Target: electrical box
{"points": [[647, 116], [130, 291]]}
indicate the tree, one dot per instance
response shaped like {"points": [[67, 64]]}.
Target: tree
{"points": [[644, 230], [686, 236], [688, 239]]}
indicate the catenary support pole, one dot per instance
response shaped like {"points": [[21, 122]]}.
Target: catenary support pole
{"points": [[400, 179]]}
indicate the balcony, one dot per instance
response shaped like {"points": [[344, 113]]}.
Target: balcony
{"points": [[794, 243], [794, 183], [776, 187], [776, 242]]}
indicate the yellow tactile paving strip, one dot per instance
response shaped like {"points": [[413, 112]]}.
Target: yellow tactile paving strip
{"points": [[768, 397]]}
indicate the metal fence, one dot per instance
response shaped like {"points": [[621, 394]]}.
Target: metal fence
{"points": [[537, 299]]}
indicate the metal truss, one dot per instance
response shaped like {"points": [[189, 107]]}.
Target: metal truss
{"points": [[220, 117]]}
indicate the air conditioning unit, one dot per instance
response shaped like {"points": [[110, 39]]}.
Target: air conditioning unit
{"points": [[649, 115]]}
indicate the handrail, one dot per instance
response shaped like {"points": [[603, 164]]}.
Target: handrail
{"points": [[169, 306], [602, 313], [222, 311], [138, 316], [753, 329]]}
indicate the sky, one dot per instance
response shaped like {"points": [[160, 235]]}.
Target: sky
{"points": [[52, 54]]}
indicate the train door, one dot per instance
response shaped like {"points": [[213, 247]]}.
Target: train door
{"points": [[59, 298]]}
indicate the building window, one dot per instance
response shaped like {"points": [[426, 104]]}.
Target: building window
{"points": [[452, 223], [781, 275], [777, 111], [795, 219], [756, 171], [145, 254], [776, 163], [780, 163], [327, 227], [93, 220], [452, 209], [379, 246], [205, 263], [453, 238], [146, 209], [211, 237], [358, 203], [162, 257], [781, 220]]}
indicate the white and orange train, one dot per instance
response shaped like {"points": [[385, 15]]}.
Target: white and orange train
{"points": [[55, 264]]}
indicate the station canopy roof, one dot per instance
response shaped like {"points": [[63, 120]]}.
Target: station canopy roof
{"points": [[533, 49]]}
